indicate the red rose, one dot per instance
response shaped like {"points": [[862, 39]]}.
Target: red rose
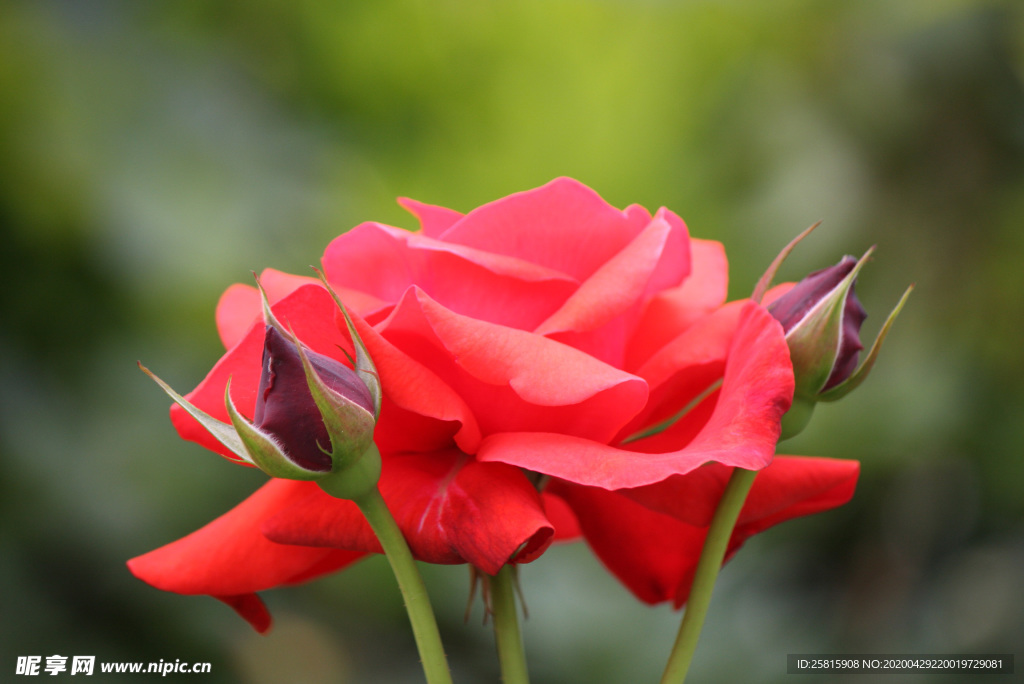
{"points": [[534, 336]]}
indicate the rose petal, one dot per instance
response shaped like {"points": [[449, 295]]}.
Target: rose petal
{"points": [[385, 262], [789, 485], [649, 552], [677, 375], [240, 306], [420, 412], [433, 219], [776, 292], [655, 554], [231, 559], [251, 609], [514, 380], [599, 315], [567, 527], [563, 225], [237, 309], [450, 508], [672, 311], [793, 486], [742, 431]]}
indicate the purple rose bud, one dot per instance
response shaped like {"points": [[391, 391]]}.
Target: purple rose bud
{"points": [[803, 312], [285, 408], [314, 417], [821, 318]]}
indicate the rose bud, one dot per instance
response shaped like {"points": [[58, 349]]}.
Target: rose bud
{"points": [[821, 317], [314, 416]]}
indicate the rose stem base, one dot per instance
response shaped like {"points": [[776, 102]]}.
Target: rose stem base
{"points": [[506, 627]]}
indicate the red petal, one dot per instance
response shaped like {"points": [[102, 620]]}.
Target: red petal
{"points": [[231, 559], [239, 307], [776, 292], [251, 608], [679, 373], [420, 412], [567, 527], [649, 552], [742, 430], [654, 553], [563, 225], [788, 486], [672, 311], [433, 219], [599, 315], [385, 261], [793, 486], [514, 380], [450, 508]]}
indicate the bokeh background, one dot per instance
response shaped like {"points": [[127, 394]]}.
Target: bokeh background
{"points": [[152, 153]]}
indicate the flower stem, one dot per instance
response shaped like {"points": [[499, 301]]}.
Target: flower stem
{"points": [[710, 562], [417, 602], [506, 627]]}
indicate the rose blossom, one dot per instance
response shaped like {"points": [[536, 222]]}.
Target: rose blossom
{"points": [[522, 350]]}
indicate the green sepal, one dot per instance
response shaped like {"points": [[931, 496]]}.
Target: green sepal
{"points": [[350, 427], [364, 366], [814, 341], [797, 417], [858, 376], [356, 481], [268, 315], [675, 418], [222, 432], [766, 279], [263, 449]]}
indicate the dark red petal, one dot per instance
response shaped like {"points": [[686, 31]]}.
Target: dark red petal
{"points": [[791, 308], [776, 292], [285, 407], [849, 341], [515, 380], [309, 311], [563, 225], [385, 262], [230, 558], [742, 430], [434, 220], [450, 508]]}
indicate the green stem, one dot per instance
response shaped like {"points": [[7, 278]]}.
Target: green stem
{"points": [[710, 562], [417, 602], [506, 627]]}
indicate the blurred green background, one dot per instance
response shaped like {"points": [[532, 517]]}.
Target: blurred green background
{"points": [[152, 153]]}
